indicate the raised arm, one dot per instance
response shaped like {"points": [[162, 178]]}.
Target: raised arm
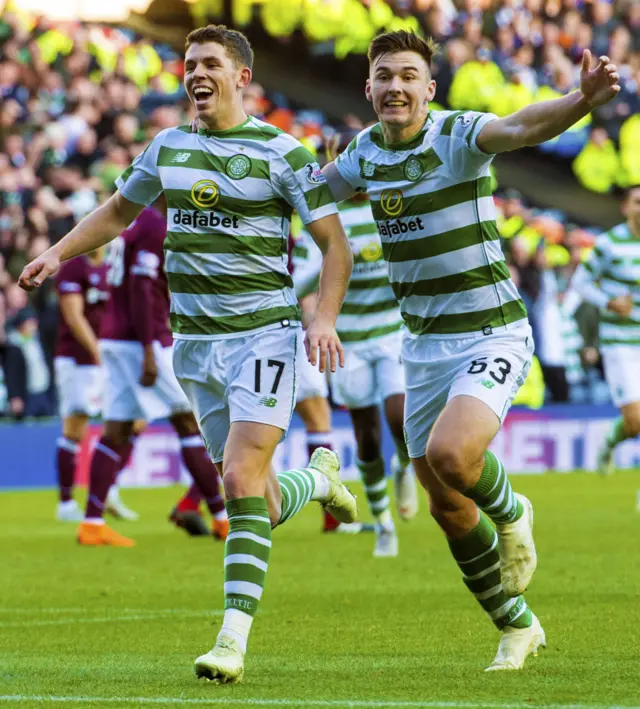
{"points": [[337, 262], [92, 232], [543, 121]]}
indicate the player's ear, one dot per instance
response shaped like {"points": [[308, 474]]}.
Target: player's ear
{"points": [[244, 78], [431, 90], [367, 90]]}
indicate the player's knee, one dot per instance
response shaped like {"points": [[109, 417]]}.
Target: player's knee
{"points": [[632, 423], [449, 461]]}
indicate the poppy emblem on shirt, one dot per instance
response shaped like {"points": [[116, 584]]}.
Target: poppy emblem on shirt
{"points": [[238, 167], [392, 202], [205, 194]]}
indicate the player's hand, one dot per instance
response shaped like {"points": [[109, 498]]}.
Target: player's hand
{"points": [[149, 368], [621, 305], [321, 335], [598, 85], [34, 274]]}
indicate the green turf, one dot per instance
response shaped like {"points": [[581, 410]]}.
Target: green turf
{"points": [[335, 625]]}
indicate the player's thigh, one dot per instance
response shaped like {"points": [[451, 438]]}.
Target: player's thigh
{"points": [[622, 372], [631, 415], [262, 388], [122, 364], [202, 375], [354, 385]]}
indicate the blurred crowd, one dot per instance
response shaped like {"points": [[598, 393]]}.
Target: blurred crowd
{"points": [[497, 55], [79, 102]]}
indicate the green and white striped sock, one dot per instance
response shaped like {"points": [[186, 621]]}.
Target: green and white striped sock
{"points": [[477, 556], [246, 558], [375, 487], [298, 487], [493, 493], [617, 434]]}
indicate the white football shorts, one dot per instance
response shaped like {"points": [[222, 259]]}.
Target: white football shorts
{"points": [[622, 371], [248, 378], [372, 373], [125, 399], [80, 387], [488, 367]]}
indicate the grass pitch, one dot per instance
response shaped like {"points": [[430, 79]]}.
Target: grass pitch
{"points": [[121, 627]]}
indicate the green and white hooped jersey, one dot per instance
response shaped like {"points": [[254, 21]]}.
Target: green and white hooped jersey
{"points": [[230, 195], [370, 309], [432, 201], [614, 265]]}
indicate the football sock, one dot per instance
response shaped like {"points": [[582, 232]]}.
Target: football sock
{"points": [[67, 451], [246, 558], [617, 434], [477, 556], [203, 472], [106, 462], [493, 494], [375, 488], [402, 452], [191, 499], [298, 487]]}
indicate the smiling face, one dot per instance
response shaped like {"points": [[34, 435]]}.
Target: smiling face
{"points": [[214, 83], [631, 209], [400, 87]]}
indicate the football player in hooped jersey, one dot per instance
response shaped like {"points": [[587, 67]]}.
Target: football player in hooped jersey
{"points": [[229, 190], [468, 343]]}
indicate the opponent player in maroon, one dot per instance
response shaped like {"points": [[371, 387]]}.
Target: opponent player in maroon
{"points": [[136, 350], [82, 296]]}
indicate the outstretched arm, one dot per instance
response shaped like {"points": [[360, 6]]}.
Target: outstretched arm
{"points": [[543, 121], [340, 188], [92, 232]]}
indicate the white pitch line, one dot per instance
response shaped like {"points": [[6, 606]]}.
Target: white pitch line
{"points": [[107, 619], [77, 609], [346, 703]]}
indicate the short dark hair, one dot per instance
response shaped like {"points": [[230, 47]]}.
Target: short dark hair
{"points": [[235, 43], [403, 41]]}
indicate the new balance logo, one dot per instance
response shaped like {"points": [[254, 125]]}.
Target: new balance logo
{"points": [[181, 157], [268, 401], [486, 383]]}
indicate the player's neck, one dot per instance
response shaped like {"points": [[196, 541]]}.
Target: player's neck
{"points": [[634, 228], [394, 135], [223, 122]]}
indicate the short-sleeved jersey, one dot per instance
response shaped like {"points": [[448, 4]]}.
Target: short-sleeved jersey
{"points": [[614, 264], [137, 253], [432, 202], [230, 196], [82, 277], [370, 309]]}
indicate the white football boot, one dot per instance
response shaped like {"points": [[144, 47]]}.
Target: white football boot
{"points": [[223, 663], [340, 502], [69, 511], [516, 644]]}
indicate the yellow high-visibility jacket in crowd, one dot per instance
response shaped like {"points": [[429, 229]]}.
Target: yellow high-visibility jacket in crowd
{"points": [[597, 167], [474, 85], [322, 20], [52, 43], [280, 18], [531, 393], [508, 228], [630, 151], [510, 98], [357, 32], [203, 11]]}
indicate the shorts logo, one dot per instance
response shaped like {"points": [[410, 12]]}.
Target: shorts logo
{"points": [[413, 169], [238, 167], [368, 169], [486, 383], [269, 401], [391, 202], [205, 194], [371, 252]]}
